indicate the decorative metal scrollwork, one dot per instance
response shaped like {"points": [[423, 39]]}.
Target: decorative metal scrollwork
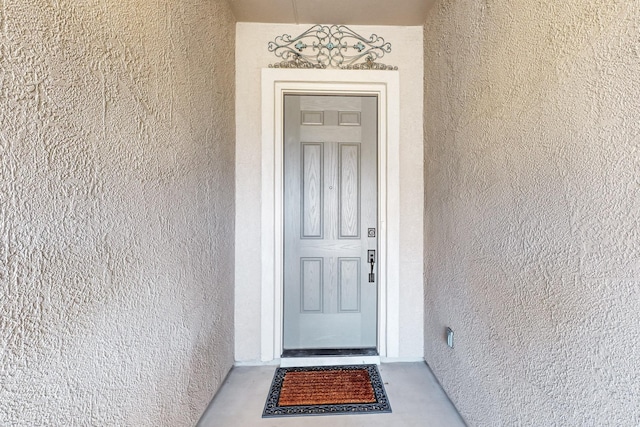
{"points": [[335, 46]]}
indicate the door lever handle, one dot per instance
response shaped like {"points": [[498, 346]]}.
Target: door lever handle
{"points": [[371, 258]]}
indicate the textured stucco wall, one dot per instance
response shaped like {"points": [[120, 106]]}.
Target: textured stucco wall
{"points": [[532, 128], [116, 210], [251, 56]]}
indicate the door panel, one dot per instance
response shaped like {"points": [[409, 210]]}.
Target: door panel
{"points": [[312, 206], [311, 284], [349, 199], [349, 284], [330, 200]]}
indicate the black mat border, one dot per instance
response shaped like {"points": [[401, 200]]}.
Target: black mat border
{"points": [[382, 405]]}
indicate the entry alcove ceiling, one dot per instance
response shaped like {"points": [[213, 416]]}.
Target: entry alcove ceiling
{"points": [[349, 12]]}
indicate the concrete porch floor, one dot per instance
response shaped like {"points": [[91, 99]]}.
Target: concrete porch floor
{"points": [[416, 400]]}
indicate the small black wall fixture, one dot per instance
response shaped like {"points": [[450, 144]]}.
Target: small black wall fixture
{"points": [[335, 46]]}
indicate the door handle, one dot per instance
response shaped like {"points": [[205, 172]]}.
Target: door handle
{"points": [[371, 259]]}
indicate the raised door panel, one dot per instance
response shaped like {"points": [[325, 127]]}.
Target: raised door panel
{"points": [[349, 284], [312, 191], [311, 279], [349, 191]]}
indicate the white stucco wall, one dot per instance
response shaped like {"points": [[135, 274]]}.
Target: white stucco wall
{"points": [[116, 210], [251, 56], [532, 125]]}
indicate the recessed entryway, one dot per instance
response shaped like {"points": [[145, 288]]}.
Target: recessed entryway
{"points": [[258, 302]]}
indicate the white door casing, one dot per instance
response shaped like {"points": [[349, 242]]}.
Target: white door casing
{"points": [[275, 84]]}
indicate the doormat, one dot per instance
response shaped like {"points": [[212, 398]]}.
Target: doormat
{"points": [[326, 390]]}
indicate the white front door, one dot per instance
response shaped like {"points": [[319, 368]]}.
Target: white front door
{"points": [[330, 222]]}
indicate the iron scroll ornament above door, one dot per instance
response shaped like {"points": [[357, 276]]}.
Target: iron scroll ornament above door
{"points": [[335, 46]]}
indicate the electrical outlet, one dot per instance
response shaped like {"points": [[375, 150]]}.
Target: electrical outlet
{"points": [[450, 337]]}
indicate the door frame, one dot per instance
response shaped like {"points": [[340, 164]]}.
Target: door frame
{"points": [[385, 85]]}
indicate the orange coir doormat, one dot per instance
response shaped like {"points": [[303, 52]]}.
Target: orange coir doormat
{"points": [[329, 387], [326, 390]]}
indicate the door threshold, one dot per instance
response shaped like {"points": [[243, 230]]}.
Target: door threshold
{"points": [[317, 352], [291, 362]]}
